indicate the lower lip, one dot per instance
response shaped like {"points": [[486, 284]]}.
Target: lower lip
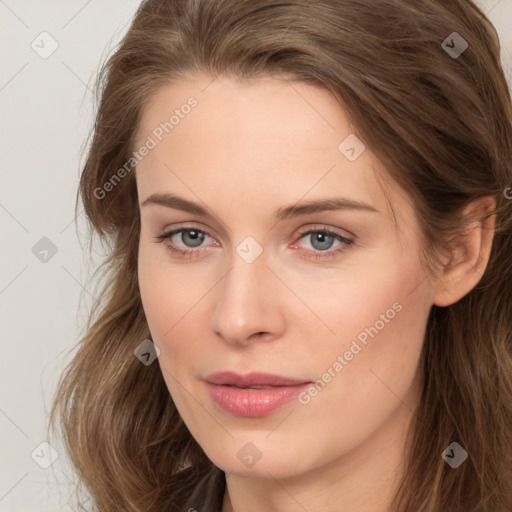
{"points": [[253, 402]]}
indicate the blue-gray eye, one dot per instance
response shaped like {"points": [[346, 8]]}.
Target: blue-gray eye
{"points": [[196, 237], [324, 240]]}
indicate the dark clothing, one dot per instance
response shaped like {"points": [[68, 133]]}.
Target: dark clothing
{"points": [[208, 493]]}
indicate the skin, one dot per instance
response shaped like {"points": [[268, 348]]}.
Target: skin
{"points": [[247, 149]]}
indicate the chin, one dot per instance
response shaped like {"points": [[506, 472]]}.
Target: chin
{"points": [[258, 457]]}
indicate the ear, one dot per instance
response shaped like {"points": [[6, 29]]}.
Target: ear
{"points": [[470, 254]]}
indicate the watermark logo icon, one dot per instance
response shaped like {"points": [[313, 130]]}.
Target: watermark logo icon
{"points": [[44, 250], [455, 45], [249, 454], [249, 249], [146, 352], [351, 147], [44, 455], [44, 45], [454, 455]]}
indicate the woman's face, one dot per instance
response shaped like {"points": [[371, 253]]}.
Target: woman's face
{"points": [[285, 261]]}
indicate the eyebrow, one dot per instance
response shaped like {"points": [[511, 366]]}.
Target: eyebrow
{"points": [[304, 208]]}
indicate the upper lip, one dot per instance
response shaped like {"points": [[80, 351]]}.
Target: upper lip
{"points": [[252, 379]]}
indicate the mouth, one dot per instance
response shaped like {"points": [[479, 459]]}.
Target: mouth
{"points": [[248, 387], [252, 395], [252, 380]]}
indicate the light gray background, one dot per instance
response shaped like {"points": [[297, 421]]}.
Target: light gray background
{"points": [[46, 113]]}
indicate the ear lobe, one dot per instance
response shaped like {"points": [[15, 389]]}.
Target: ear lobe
{"points": [[470, 254]]}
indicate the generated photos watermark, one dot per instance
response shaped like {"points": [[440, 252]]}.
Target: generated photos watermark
{"points": [[355, 348], [150, 143]]}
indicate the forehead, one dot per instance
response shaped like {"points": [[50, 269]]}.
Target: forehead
{"points": [[263, 105], [270, 136]]}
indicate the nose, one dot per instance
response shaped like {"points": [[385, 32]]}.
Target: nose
{"points": [[249, 303]]}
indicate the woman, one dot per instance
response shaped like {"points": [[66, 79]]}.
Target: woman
{"points": [[308, 302]]}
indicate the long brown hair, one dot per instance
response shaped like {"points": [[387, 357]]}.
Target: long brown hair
{"points": [[442, 125]]}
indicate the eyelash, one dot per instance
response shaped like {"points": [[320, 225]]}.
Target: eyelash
{"points": [[330, 253]]}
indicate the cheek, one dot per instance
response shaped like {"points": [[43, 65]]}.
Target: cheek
{"points": [[382, 296], [167, 291], [166, 301], [173, 299], [380, 355], [378, 319]]}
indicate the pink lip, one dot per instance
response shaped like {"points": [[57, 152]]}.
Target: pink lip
{"points": [[242, 395]]}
